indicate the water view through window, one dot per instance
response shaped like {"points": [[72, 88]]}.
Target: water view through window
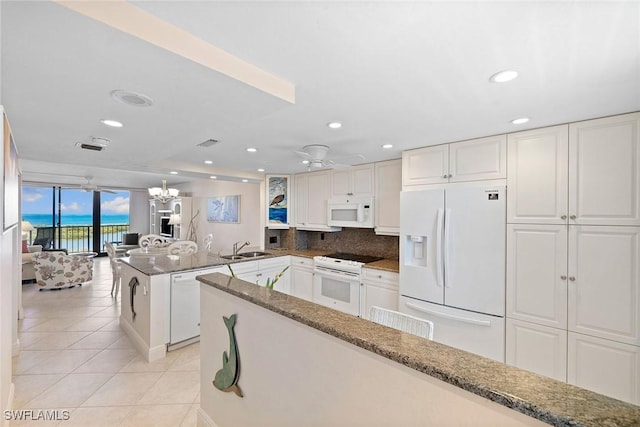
{"points": [[73, 219]]}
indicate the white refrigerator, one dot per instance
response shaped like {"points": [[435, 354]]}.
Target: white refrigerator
{"points": [[452, 264]]}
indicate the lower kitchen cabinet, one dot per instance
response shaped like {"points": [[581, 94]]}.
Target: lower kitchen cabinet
{"points": [[378, 288], [259, 271], [302, 278], [537, 348], [604, 366]]}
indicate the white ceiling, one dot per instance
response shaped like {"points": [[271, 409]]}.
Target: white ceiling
{"points": [[407, 73]]}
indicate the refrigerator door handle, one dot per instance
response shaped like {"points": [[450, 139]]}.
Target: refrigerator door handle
{"points": [[449, 316], [439, 266], [445, 246]]}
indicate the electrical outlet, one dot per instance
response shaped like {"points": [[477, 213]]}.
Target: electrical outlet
{"points": [[273, 239], [321, 236]]}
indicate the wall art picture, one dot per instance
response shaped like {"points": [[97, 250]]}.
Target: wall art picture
{"points": [[224, 209], [11, 178], [278, 200]]}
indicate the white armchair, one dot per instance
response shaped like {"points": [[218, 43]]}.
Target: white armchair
{"points": [[28, 272], [57, 270]]}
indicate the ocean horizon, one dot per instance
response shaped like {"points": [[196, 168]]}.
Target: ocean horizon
{"points": [[44, 220]]}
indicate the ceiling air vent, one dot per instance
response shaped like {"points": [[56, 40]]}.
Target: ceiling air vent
{"points": [[208, 143], [96, 144]]}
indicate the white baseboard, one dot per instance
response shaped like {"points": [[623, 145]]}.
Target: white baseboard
{"points": [[204, 420], [15, 347], [150, 353], [9, 403]]}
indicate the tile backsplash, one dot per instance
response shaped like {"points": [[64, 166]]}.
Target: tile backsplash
{"points": [[361, 241]]}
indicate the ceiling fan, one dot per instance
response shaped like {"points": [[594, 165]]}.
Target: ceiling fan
{"points": [[88, 186], [314, 156]]}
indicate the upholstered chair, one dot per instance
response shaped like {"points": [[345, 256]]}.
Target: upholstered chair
{"points": [[57, 270]]}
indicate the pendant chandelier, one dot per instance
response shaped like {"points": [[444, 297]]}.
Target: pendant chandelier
{"points": [[164, 194]]}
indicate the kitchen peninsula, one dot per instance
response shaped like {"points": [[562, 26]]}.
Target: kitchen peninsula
{"points": [[303, 364]]}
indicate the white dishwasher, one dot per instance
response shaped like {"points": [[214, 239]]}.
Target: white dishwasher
{"points": [[185, 306]]}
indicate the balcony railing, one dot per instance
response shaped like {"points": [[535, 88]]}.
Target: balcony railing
{"points": [[79, 238]]}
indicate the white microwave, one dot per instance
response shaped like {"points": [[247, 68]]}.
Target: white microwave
{"points": [[351, 211]]}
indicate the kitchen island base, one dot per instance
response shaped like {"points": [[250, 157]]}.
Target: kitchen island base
{"points": [[292, 375]]}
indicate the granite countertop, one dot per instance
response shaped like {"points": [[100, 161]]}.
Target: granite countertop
{"points": [[160, 263], [543, 398]]}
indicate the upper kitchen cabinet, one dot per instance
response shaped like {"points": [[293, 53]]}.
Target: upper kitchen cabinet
{"points": [[387, 197], [584, 173], [604, 171], [354, 181], [473, 160], [313, 190]]}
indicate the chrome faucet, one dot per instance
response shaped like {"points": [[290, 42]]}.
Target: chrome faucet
{"points": [[236, 248]]}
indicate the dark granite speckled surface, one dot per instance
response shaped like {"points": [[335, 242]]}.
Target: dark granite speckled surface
{"points": [[163, 264], [540, 397]]}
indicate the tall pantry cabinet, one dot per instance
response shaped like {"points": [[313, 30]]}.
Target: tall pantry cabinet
{"points": [[573, 254]]}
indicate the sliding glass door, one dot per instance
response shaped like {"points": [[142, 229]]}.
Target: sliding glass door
{"points": [[73, 219]]}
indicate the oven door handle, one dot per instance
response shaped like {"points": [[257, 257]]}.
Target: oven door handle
{"points": [[343, 276]]}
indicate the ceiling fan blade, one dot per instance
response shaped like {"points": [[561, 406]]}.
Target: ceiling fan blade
{"points": [[303, 154]]}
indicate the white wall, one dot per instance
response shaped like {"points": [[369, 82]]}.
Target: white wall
{"points": [[9, 287], [251, 227], [139, 212]]}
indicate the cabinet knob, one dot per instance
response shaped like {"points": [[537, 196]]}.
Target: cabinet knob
{"points": [[449, 176], [563, 217], [572, 217], [445, 176], [379, 276], [563, 277], [571, 278]]}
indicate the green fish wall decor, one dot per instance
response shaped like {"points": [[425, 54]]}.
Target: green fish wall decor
{"points": [[227, 378]]}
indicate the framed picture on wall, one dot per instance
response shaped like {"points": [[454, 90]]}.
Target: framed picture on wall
{"points": [[278, 201], [224, 209], [11, 178]]}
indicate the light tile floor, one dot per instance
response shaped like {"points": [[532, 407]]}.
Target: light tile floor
{"points": [[75, 357]]}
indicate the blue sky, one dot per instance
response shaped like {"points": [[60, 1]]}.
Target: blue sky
{"points": [[38, 200]]}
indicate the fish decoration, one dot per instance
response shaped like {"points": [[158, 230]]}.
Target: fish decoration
{"points": [[226, 379]]}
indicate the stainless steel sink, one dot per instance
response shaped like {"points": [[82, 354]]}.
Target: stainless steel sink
{"points": [[232, 257], [252, 254]]}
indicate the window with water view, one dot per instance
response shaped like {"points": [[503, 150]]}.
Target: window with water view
{"points": [[74, 219]]}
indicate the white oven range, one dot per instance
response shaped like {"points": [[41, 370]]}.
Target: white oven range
{"points": [[337, 279]]}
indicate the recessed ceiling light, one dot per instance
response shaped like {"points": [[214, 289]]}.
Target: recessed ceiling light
{"points": [[173, 173], [503, 76], [252, 150], [334, 125], [520, 121], [260, 170], [305, 162], [208, 162], [112, 123], [387, 146], [245, 180], [213, 177], [132, 98]]}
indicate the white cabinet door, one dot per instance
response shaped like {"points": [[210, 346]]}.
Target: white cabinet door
{"points": [[379, 288], [604, 165], [355, 181], [302, 283], [429, 165], [375, 295], [604, 366], [387, 197], [478, 159], [318, 191], [537, 273], [282, 285], [362, 178], [604, 282], [536, 348], [537, 176]]}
